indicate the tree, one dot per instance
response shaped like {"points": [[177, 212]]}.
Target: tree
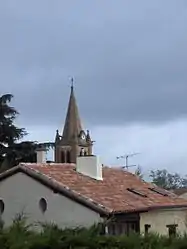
{"points": [[9, 133], [166, 180], [12, 152], [23, 152], [139, 173]]}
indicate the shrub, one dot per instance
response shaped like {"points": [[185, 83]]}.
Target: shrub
{"points": [[20, 236]]}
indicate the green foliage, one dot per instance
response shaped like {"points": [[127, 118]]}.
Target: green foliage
{"points": [[9, 133], [12, 152], [25, 151], [139, 173], [166, 180], [20, 236]]}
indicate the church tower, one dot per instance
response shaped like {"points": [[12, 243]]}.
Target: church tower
{"points": [[74, 141]]}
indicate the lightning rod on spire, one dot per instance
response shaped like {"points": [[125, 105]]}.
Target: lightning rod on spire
{"points": [[72, 82]]}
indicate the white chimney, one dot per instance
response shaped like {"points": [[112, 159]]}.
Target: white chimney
{"points": [[90, 166], [41, 155]]}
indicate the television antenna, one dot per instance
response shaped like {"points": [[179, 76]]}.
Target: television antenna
{"points": [[126, 157]]}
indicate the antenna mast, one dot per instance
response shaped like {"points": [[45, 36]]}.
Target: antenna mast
{"points": [[126, 157]]}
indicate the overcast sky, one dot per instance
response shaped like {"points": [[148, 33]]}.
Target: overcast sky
{"points": [[129, 62]]}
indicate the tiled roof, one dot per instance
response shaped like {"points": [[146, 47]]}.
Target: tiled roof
{"points": [[110, 194]]}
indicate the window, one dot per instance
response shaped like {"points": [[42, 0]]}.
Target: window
{"points": [[159, 191], [119, 228], [136, 192], [172, 230], [132, 226], [68, 157], [2, 207], [82, 152], [112, 229], [43, 205], [146, 228], [62, 157]]}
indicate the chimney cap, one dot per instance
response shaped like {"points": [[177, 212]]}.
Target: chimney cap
{"points": [[41, 148], [41, 155]]}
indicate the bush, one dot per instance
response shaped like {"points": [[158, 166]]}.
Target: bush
{"points": [[20, 236]]}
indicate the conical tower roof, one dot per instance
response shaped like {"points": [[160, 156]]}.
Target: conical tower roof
{"points": [[72, 127]]}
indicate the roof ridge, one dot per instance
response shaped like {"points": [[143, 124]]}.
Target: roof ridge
{"points": [[46, 164]]}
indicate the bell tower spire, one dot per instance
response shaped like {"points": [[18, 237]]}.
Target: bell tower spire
{"points": [[74, 140], [73, 125]]}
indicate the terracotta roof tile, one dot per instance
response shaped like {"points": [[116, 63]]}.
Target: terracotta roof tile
{"points": [[112, 191]]}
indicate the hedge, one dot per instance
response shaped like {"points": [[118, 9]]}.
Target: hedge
{"points": [[22, 236]]}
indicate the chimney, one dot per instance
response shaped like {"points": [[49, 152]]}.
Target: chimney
{"points": [[41, 155], [90, 166]]}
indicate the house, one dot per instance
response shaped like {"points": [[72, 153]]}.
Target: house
{"points": [[181, 192], [77, 190], [87, 193]]}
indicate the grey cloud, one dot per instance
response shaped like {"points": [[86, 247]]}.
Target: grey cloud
{"points": [[128, 57]]}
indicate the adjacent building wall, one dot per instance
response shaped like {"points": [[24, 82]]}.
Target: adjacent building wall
{"points": [[22, 193], [184, 195], [159, 219]]}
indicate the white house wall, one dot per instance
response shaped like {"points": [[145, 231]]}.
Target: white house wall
{"points": [[159, 219], [183, 196], [22, 193]]}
